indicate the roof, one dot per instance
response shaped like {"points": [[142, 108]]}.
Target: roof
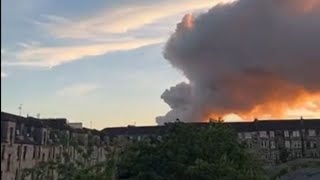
{"points": [[244, 126]]}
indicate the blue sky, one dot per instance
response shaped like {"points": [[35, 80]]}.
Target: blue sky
{"points": [[98, 61]]}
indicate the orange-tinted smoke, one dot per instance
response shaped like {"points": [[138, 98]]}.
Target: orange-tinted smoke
{"points": [[303, 6], [255, 59], [274, 98], [188, 21]]}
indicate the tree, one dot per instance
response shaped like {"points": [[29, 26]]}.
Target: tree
{"points": [[190, 153], [284, 155]]}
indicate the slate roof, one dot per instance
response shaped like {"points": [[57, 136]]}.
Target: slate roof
{"points": [[245, 126]]}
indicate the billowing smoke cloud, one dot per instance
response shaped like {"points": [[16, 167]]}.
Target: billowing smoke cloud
{"points": [[252, 57]]}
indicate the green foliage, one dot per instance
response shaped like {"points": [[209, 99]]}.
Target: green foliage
{"points": [[292, 166], [189, 153], [184, 152], [284, 155]]}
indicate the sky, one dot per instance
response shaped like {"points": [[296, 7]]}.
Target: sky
{"points": [[96, 62]]}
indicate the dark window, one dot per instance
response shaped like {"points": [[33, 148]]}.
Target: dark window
{"points": [[18, 152], [54, 152], [34, 152], [25, 149], [43, 156], [17, 175], [49, 154], [39, 152], [3, 151], [44, 137], [9, 162], [11, 135]]}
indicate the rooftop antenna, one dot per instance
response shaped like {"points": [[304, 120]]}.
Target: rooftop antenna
{"points": [[20, 109]]}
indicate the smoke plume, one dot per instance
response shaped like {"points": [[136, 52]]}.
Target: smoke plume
{"points": [[253, 58]]}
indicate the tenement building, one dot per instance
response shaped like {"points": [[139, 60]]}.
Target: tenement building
{"points": [[275, 141], [28, 141]]}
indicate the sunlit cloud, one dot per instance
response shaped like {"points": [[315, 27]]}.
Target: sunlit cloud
{"points": [[120, 20], [119, 29], [42, 56]]}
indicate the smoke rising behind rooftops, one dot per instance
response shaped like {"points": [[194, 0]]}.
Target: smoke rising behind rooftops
{"points": [[252, 58]]}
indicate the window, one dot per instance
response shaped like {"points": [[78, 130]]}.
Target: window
{"points": [[54, 152], [287, 144], [298, 144], [25, 148], [271, 134], [45, 137], [311, 145], [3, 151], [295, 133], [286, 133], [273, 145], [9, 162], [17, 132], [43, 156], [11, 135], [39, 152], [49, 154], [264, 144], [247, 135], [312, 132], [16, 175], [34, 152], [263, 134], [18, 152]]}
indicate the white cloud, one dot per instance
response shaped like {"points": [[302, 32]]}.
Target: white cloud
{"points": [[77, 90], [41, 56], [123, 28], [122, 19]]}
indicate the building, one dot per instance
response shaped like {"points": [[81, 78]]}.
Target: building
{"points": [[27, 141], [273, 140]]}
